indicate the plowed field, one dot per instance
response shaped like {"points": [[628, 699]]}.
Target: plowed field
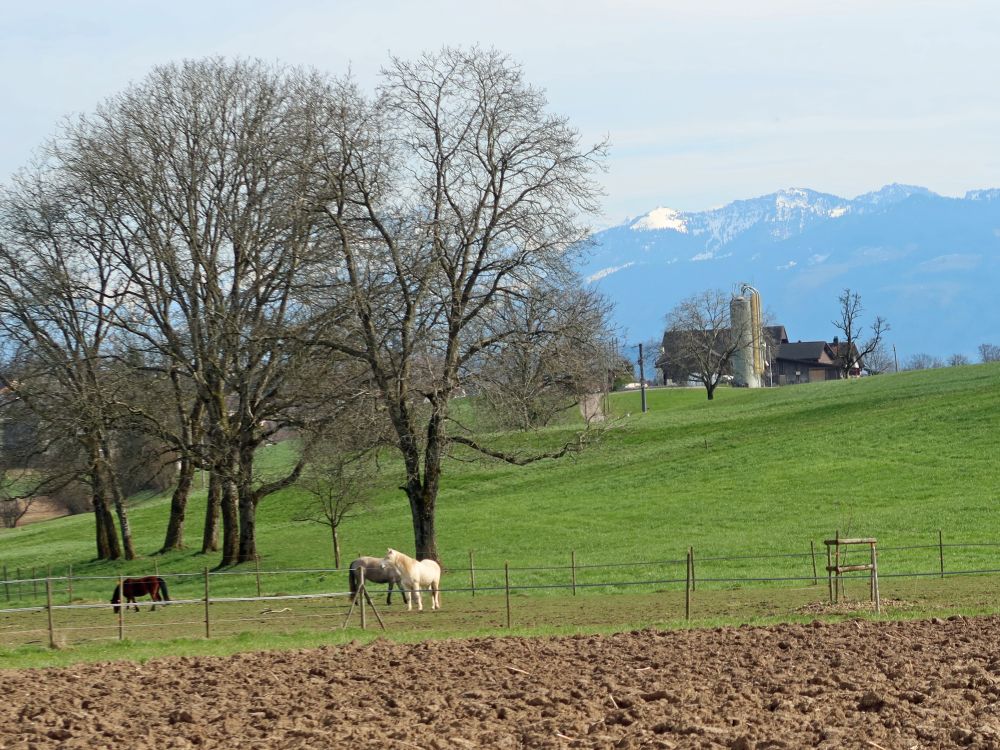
{"points": [[854, 684]]}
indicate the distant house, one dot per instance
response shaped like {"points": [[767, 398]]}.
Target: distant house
{"points": [[811, 361]]}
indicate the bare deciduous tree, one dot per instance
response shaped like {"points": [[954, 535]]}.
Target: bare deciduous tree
{"points": [[852, 348], [700, 339], [450, 195], [58, 287], [203, 169], [989, 353], [550, 363], [923, 361], [957, 360]]}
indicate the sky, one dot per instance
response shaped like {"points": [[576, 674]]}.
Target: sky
{"points": [[703, 102]]}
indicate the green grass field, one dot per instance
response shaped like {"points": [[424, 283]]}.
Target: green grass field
{"points": [[756, 475]]}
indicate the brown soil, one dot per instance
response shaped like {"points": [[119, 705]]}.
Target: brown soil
{"points": [[854, 684]]}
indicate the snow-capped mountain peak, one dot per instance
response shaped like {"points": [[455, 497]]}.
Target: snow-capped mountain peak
{"points": [[660, 218]]}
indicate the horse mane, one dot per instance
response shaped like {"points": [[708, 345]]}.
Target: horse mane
{"points": [[116, 596]]}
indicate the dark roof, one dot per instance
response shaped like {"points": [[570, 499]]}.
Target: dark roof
{"points": [[802, 351]]}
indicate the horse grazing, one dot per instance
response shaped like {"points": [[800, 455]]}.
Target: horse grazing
{"points": [[374, 573], [415, 575], [154, 586]]}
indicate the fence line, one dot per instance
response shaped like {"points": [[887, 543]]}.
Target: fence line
{"points": [[506, 584]]}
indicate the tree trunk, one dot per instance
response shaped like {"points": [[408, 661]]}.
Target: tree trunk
{"points": [[108, 547], [107, 540], [336, 547], [213, 505], [424, 528], [230, 523], [122, 512], [711, 391], [174, 539], [247, 506]]}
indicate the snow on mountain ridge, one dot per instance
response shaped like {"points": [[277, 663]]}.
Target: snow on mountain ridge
{"points": [[661, 218]]}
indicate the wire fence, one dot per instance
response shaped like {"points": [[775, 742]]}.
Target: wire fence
{"points": [[56, 607]]}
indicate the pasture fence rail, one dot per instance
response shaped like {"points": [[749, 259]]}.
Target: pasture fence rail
{"points": [[482, 580]]}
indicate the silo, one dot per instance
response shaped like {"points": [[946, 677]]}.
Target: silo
{"points": [[748, 359]]}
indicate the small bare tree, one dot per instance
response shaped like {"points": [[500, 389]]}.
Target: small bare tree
{"points": [[700, 340], [339, 488], [550, 363], [957, 360], [923, 361], [852, 348], [989, 353]]}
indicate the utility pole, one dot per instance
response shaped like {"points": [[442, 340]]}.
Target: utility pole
{"points": [[642, 381]]}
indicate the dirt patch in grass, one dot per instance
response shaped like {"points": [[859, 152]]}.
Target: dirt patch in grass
{"points": [[931, 683]]}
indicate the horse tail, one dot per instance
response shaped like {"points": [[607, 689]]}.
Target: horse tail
{"points": [[352, 580], [163, 590]]}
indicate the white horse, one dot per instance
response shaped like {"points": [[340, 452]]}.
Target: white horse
{"points": [[415, 575]]}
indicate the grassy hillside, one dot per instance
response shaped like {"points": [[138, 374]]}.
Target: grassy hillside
{"points": [[751, 473]]}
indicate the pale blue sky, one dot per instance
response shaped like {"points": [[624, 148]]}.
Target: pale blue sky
{"points": [[704, 102]]}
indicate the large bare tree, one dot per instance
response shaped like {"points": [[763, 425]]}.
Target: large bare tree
{"points": [[449, 196], [58, 287], [853, 346], [204, 169]]}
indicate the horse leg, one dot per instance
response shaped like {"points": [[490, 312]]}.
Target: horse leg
{"points": [[420, 603], [435, 596]]}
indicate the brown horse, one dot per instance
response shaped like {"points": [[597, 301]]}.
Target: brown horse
{"points": [[154, 586]]}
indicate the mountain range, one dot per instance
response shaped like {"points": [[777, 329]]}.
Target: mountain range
{"points": [[928, 264]]}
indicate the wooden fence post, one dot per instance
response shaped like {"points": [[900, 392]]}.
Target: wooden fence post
{"points": [[506, 585], [156, 567], [694, 583], [472, 573], [687, 588], [256, 563], [34, 583], [572, 563], [878, 599], [836, 561], [69, 583], [6, 582], [48, 606], [812, 549], [208, 626], [941, 550], [361, 588], [121, 607], [829, 572], [20, 595]]}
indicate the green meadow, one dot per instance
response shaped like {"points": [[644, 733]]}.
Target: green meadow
{"points": [[753, 481]]}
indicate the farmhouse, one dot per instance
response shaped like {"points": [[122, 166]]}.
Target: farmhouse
{"points": [[786, 362]]}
